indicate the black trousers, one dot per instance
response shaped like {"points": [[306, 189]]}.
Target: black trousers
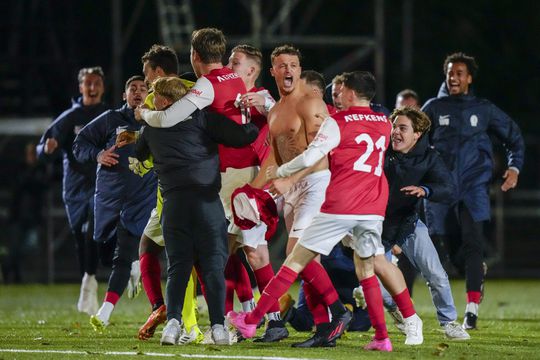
{"points": [[195, 232], [465, 243], [125, 252]]}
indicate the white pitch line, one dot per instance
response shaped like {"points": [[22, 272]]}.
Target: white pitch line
{"points": [[131, 353]]}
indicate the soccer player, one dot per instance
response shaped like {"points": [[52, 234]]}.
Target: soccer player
{"points": [[355, 203], [461, 125], [339, 266], [123, 200], [187, 163], [161, 61], [79, 180], [217, 88], [246, 61], [293, 124]]}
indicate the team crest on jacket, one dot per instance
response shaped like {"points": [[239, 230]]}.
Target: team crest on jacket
{"points": [[474, 120], [444, 120]]}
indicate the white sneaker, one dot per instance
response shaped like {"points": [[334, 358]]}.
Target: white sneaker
{"points": [[134, 284], [194, 335], [220, 335], [359, 298], [171, 332], [101, 320], [454, 331], [88, 301], [399, 322], [413, 330]]}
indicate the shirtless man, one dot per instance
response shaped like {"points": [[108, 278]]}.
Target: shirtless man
{"points": [[293, 125], [246, 61]]}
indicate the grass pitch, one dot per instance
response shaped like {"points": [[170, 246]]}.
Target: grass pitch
{"points": [[39, 321]]}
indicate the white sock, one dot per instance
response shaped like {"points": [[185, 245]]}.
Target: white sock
{"points": [[274, 316], [472, 308], [105, 311], [87, 278], [248, 306]]}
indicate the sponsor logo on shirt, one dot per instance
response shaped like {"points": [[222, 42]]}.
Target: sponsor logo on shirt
{"points": [[368, 117], [226, 77], [474, 120], [195, 92], [444, 120]]}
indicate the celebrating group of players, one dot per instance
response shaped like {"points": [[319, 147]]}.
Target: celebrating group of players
{"points": [[224, 153]]}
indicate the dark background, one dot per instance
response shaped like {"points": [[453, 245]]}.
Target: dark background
{"points": [[47, 42]]}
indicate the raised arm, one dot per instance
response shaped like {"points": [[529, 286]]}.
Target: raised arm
{"points": [[199, 97]]}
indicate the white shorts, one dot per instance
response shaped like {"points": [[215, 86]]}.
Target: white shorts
{"points": [[253, 237], [153, 228], [231, 180], [327, 230], [304, 201]]}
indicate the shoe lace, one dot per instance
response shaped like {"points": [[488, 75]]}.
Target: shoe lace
{"points": [[410, 327]]}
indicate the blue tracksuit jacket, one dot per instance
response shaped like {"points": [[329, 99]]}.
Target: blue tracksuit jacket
{"points": [[79, 179], [460, 132], [120, 194]]}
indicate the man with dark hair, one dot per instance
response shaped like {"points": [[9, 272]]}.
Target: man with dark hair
{"points": [[407, 97], [123, 200], [159, 61], [355, 203], [314, 80], [461, 128], [79, 180]]}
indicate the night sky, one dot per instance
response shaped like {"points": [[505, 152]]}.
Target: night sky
{"points": [[500, 34]]}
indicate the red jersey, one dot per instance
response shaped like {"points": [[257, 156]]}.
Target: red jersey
{"points": [[218, 90], [358, 185], [331, 109]]}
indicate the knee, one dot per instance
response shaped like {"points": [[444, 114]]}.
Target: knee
{"points": [[439, 280], [256, 258]]}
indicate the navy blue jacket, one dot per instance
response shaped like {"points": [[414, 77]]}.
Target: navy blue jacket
{"points": [[421, 166], [186, 155], [120, 194], [79, 179], [461, 126]]}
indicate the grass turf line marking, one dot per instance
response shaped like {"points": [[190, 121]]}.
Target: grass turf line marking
{"points": [[131, 353]]}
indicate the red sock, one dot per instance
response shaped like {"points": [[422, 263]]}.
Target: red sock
{"points": [[243, 282], [372, 293], [404, 303], [315, 305], [263, 277], [275, 288], [474, 297], [315, 275], [230, 283], [112, 297], [151, 277]]}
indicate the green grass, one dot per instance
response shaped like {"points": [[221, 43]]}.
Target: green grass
{"points": [[39, 317]]}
